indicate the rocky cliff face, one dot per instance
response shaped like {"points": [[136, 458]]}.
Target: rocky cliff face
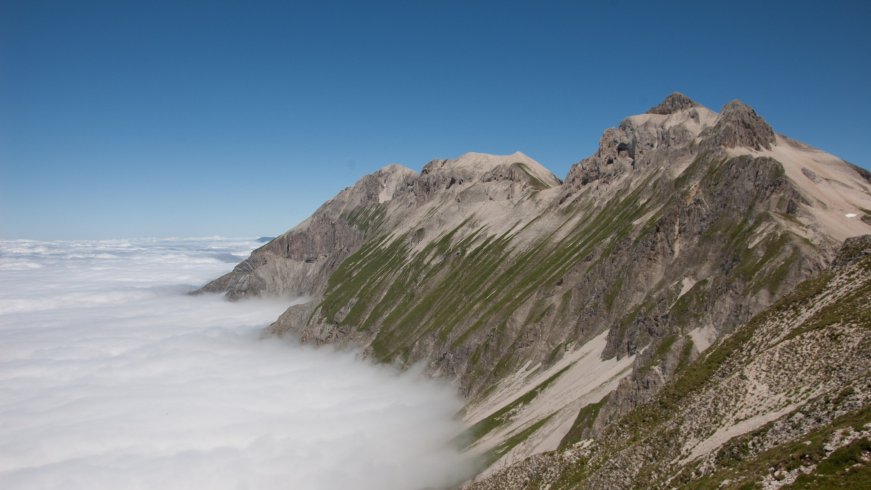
{"points": [[739, 127], [300, 261], [546, 299]]}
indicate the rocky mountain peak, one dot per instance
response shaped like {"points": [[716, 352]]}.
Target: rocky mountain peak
{"points": [[740, 126], [474, 166], [659, 137], [481, 162], [395, 169], [675, 102]]}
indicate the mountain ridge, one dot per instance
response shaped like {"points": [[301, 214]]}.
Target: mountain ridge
{"points": [[542, 298]]}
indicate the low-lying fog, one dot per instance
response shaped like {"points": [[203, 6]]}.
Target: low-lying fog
{"points": [[111, 377]]}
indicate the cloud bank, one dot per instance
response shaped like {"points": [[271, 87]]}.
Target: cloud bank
{"points": [[111, 377]]}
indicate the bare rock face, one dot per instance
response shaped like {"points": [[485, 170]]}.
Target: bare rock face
{"points": [[300, 261], [811, 175], [740, 126], [615, 156], [664, 136], [855, 249], [673, 103]]}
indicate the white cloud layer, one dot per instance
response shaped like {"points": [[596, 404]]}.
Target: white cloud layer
{"points": [[112, 378]]}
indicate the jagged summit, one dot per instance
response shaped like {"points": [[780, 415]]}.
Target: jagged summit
{"points": [[663, 136], [740, 126], [669, 136], [675, 102]]}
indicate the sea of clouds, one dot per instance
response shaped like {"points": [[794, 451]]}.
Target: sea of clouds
{"points": [[112, 377]]}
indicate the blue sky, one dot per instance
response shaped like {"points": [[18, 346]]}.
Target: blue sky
{"points": [[122, 119]]}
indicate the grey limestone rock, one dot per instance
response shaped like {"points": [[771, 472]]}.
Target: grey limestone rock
{"points": [[740, 126], [673, 103], [853, 250], [299, 262]]}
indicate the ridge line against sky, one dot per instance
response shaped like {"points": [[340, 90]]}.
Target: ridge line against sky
{"points": [[239, 119]]}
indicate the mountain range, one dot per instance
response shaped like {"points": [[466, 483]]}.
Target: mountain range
{"points": [[688, 307]]}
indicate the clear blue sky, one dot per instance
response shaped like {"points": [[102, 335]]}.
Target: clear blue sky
{"points": [[152, 118]]}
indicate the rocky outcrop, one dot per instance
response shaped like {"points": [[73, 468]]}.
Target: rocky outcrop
{"points": [[855, 249], [675, 102], [300, 261], [663, 137], [740, 126]]}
